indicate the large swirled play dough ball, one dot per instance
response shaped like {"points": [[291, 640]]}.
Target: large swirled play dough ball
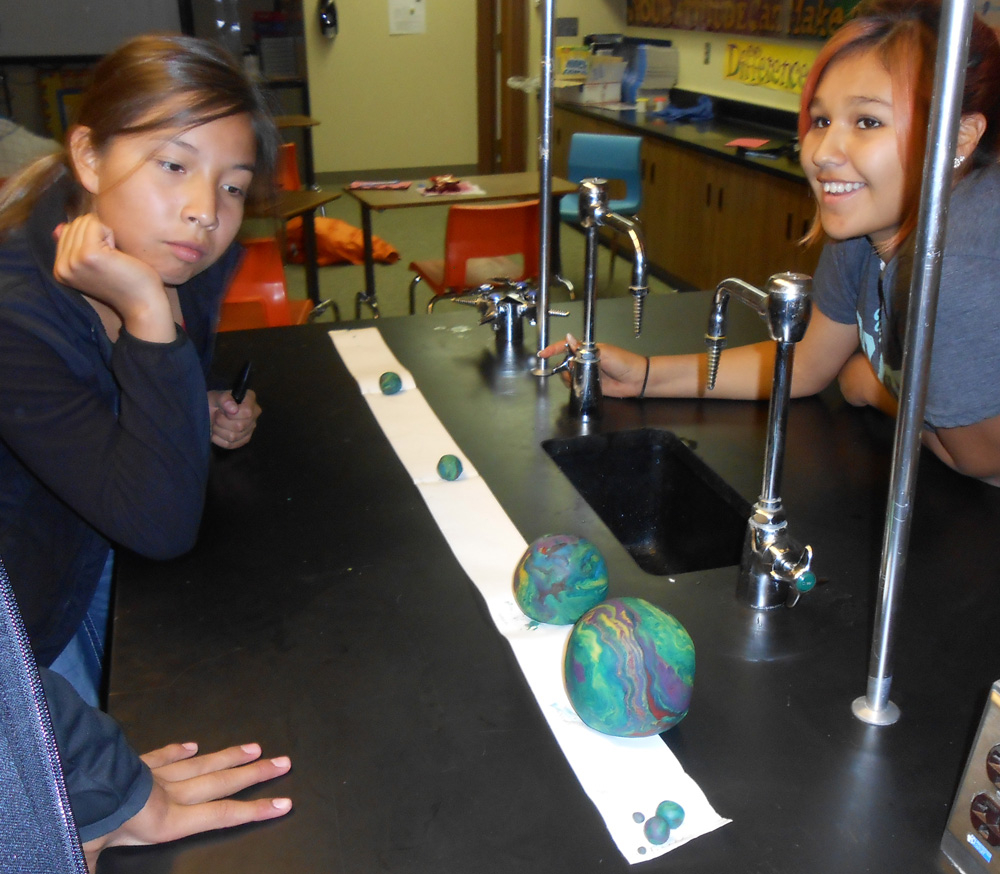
{"points": [[629, 668], [559, 578]]}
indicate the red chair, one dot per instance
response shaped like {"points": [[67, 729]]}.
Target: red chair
{"points": [[258, 295], [481, 243]]}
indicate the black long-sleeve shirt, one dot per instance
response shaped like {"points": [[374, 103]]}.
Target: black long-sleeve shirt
{"points": [[100, 443]]}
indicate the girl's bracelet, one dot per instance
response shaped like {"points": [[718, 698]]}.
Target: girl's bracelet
{"points": [[645, 380]]}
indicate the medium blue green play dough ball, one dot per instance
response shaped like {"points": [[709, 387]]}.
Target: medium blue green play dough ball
{"points": [[656, 830], [390, 383], [449, 467], [559, 578], [670, 812], [629, 668]]}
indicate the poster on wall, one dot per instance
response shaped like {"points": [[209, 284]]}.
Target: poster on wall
{"points": [[768, 65], [803, 19], [407, 17], [990, 11]]}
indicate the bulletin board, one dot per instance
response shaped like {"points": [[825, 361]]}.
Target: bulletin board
{"points": [[802, 19]]}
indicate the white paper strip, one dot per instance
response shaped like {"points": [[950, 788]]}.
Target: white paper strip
{"points": [[622, 776]]}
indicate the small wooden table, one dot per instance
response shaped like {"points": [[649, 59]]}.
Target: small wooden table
{"points": [[497, 186], [288, 205]]}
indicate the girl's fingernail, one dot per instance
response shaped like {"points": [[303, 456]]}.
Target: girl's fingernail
{"points": [[190, 745], [282, 762], [281, 803], [251, 749]]}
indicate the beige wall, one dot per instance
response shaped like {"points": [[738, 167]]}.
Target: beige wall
{"points": [[696, 75], [393, 101], [410, 101]]}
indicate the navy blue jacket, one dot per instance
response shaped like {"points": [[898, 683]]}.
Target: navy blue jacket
{"points": [[66, 773], [100, 443]]}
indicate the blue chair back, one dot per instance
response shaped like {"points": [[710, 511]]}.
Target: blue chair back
{"points": [[609, 157]]}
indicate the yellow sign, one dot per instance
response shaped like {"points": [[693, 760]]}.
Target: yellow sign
{"points": [[783, 68]]}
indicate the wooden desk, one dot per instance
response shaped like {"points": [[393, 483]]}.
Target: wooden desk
{"points": [[304, 203], [497, 186]]}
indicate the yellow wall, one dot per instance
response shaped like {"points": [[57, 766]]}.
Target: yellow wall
{"points": [[393, 101], [410, 101], [696, 75]]}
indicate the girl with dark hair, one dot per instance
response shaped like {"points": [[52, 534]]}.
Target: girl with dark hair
{"points": [[863, 130], [114, 258]]}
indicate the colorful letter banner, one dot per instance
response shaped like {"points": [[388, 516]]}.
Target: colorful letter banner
{"points": [[783, 68], [805, 19]]}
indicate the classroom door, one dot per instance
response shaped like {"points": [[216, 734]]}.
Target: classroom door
{"points": [[501, 52]]}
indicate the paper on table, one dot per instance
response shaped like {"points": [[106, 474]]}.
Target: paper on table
{"points": [[621, 776], [747, 143]]}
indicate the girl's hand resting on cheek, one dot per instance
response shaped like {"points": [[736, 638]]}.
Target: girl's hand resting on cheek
{"points": [[190, 795], [87, 260], [232, 423]]}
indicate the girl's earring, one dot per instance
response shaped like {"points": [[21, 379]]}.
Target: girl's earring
{"points": [[958, 161]]}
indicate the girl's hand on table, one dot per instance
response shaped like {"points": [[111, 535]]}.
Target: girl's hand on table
{"points": [[87, 260], [622, 372], [190, 795], [232, 423]]}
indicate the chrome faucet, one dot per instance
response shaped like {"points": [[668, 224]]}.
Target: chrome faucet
{"points": [[774, 568], [585, 366], [503, 303]]}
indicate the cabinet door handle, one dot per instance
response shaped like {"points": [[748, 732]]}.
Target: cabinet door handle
{"points": [[652, 172], [708, 195]]}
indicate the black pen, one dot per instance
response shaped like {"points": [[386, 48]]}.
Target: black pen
{"points": [[239, 390]]}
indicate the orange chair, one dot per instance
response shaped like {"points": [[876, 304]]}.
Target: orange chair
{"points": [[258, 296], [287, 175], [481, 243]]}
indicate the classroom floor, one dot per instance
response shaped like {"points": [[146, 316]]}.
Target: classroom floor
{"points": [[419, 234]]}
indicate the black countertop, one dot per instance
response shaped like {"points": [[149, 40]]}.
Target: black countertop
{"points": [[708, 137], [323, 615]]}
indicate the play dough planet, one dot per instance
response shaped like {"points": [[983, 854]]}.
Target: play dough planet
{"points": [[390, 383], [629, 668], [449, 467], [559, 578]]}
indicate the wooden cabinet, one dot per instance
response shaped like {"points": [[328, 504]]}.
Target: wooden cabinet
{"points": [[705, 218]]}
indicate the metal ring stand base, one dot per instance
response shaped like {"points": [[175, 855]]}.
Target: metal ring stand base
{"points": [[863, 711]]}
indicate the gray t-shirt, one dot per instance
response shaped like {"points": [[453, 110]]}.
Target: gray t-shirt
{"points": [[964, 384]]}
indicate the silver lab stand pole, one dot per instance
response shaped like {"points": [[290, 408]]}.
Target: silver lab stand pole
{"points": [[949, 81], [545, 188]]}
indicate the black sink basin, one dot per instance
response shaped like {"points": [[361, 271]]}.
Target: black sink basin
{"points": [[671, 511]]}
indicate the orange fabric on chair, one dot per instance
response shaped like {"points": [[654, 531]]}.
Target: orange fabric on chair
{"points": [[258, 296], [337, 242], [481, 243]]}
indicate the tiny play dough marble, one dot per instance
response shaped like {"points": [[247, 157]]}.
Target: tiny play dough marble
{"points": [[559, 578], [390, 383], [629, 668], [449, 467]]}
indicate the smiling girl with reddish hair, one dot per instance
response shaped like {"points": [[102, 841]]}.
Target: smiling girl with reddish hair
{"points": [[862, 127]]}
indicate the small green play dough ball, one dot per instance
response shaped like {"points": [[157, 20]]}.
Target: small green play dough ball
{"points": [[390, 383], [806, 582], [671, 813], [449, 467], [656, 830]]}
